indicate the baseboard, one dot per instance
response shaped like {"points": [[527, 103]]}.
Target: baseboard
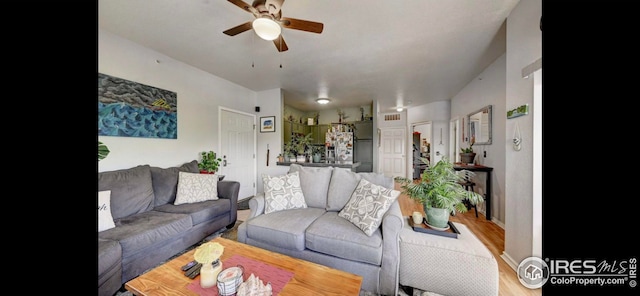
{"points": [[507, 259]]}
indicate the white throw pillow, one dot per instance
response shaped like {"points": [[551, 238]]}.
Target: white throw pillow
{"points": [[195, 187], [105, 219], [368, 204], [282, 193]]}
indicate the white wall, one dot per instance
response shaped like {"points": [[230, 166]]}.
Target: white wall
{"points": [[198, 93], [271, 104], [488, 88], [524, 46]]}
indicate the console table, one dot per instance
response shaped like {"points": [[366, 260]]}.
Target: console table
{"points": [[480, 168]]}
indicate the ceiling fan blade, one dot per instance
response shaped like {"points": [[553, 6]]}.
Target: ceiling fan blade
{"points": [[296, 24], [280, 44], [245, 6], [238, 29]]}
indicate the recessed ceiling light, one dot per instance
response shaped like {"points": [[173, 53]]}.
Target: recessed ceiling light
{"points": [[323, 101]]}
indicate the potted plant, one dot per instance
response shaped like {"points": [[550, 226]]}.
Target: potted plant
{"points": [[439, 192], [208, 162], [467, 155], [302, 145], [103, 151], [289, 152], [316, 153]]}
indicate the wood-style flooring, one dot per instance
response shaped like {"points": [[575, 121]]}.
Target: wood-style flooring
{"points": [[491, 236]]}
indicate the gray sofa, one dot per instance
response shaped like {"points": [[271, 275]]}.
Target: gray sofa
{"points": [[149, 228], [319, 235]]}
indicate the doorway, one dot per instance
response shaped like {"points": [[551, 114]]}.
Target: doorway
{"points": [[392, 160], [237, 138], [420, 147]]}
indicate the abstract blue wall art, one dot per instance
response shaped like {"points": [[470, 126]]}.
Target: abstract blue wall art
{"points": [[131, 109]]}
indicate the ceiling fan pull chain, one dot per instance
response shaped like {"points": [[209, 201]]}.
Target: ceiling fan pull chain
{"points": [[281, 52]]}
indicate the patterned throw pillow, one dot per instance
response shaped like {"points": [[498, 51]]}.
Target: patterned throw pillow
{"points": [[105, 219], [195, 187], [282, 193], [367, 206]]}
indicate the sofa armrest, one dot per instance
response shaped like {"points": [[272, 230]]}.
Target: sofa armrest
{"points": [[230, 190], [392, 223], [256, 204]]}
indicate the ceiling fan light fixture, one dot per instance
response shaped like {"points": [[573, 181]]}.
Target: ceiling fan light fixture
{"points": [[266, 28], [323, 101]]}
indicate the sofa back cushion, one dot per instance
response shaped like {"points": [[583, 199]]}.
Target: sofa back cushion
{"points": [[315, 184], [343, 182], [131, 190], [378, 179], [165, 181]]}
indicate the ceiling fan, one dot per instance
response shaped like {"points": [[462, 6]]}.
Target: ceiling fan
{"points": [[268, 22]]}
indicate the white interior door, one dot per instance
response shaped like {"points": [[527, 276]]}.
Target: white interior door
{"points": [[392, 152], [237, 150]]}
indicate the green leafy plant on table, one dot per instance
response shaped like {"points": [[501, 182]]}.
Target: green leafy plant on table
{"points": [[209, 162], [440, 192], [470, 148]]}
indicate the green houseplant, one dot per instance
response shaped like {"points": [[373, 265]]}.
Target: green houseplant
{"points": [[209, 162], [103, 151], [466, 154], [316, 153], [439, 192]]}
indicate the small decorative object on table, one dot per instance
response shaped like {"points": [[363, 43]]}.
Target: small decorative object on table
{"points": [[253, 286], [229, 280], [424, 227], [208, 254]]}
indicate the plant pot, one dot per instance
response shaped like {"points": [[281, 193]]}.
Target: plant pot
{"points": [[205, 172], [467, 157], [301, 158], [437, 217], [317, 157]]}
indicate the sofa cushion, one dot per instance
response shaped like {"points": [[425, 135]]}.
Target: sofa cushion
{"points": [[282, 193], [367, 206], [200, 211], [131, 190], [284, 229], [338, 237], [196, 187], [343, 183], [109, 267], [105, 220], [378, 179], [165, 181], [314, 182], [138, 232]]}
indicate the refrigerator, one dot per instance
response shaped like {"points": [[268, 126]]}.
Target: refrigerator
{"points": [[339, 146]]}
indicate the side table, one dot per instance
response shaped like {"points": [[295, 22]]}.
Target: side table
{"points": [[445, 265]]}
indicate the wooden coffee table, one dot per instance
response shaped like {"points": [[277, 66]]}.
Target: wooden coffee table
{"points": [[309, 278]]}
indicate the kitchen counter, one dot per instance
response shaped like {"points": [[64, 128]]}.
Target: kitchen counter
{"points": [[351, 166]]}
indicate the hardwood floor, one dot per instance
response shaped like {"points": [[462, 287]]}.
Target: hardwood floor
{"points": [[490, 234]]}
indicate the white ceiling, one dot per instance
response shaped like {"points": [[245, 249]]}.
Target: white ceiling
{"points": [[400, 53]]}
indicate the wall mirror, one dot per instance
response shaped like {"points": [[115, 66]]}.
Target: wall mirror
{"points": [[480, 126]]}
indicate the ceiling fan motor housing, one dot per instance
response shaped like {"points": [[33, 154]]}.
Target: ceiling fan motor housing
{"points": [[268, 6]]}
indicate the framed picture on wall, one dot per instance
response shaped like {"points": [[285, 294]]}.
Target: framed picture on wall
{"points": [[268, 124]]}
